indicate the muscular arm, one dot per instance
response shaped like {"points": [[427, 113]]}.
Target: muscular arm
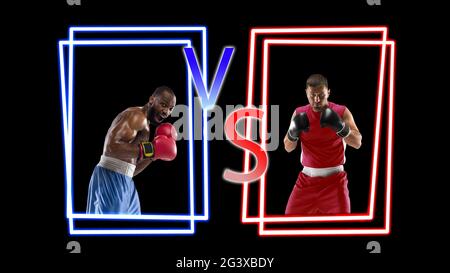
{"points": [[120, 138], [355, 137]]}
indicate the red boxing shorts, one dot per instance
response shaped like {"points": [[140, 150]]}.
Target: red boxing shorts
{"points": [[319, 195]]}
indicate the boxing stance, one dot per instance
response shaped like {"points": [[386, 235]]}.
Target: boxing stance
{"points": [[127, 151], [324, 129]]}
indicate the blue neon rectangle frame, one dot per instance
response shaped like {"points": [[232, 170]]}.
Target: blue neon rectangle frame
{"points": [[67, 111]]}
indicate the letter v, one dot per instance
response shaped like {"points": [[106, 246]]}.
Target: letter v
{"points": [[208, 99]]}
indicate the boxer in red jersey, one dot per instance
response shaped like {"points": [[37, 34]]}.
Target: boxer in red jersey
{"points": [[324, 129]]}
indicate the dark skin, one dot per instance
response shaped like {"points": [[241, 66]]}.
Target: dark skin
{"points": [[132, 126]]}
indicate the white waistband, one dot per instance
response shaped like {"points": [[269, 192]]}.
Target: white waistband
{"points": [[117, 165], [314, 172]]}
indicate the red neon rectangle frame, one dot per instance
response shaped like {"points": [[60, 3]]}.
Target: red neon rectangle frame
{"points": [[353, 217]]}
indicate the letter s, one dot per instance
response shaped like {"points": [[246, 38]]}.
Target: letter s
{"points": [[262, 160]]}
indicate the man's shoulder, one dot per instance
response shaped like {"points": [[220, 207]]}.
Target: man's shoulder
{"points": [[134, 114], [134, 111], [302, 108], [333, 104], [340, 108]]}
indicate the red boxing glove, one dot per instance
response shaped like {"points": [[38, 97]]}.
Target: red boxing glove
{"points": [[163, 145], [164, 148], [166, 129]]}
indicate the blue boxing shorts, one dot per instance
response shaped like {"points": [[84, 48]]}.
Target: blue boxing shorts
{"points": [[111, 189]]}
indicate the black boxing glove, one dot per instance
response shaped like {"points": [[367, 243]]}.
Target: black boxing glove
{"points": [[331, 119], [299, 123]]}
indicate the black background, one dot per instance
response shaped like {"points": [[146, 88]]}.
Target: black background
{"points": [[224, 235], [104, 76]]}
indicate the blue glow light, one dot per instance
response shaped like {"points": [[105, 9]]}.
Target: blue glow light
{"points": [[67, 113]]}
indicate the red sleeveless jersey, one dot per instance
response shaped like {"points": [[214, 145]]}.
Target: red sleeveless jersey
{"points": [[321, 147]]}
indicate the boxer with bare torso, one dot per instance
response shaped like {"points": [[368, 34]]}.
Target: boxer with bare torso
{"points": [[127, 151]]}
